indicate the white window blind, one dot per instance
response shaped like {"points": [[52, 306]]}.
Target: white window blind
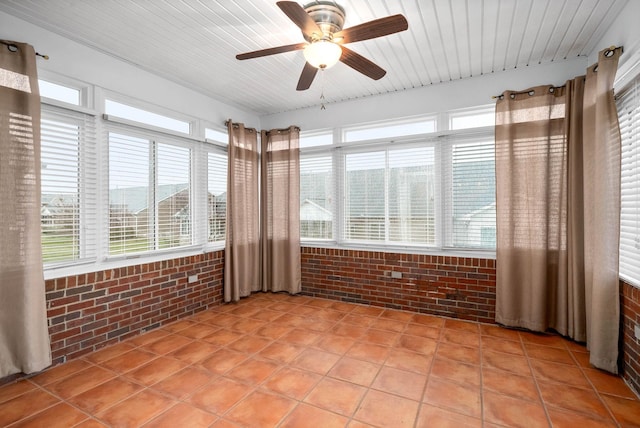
{"points": [[316, 197], [68, 191], [628, 102], [173, 196], [131, 222], [411, 195], [149, 195], [216, 196], [364, 191], [390, 195], [473, 194]]}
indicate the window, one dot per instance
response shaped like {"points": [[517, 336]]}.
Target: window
{"points": [[395, 129], [389, 196], [217, 196], [427, 191], [473, 193], [314, 139], [68, 186], [146, 117], [153, 194], [472, 118], [149, 195], [216, 135], [628, 101], [58, 92], [438, 192], [316, 197]]}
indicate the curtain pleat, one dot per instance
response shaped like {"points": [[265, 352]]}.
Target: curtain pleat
{"points": [[24, 337], [242, 248], [281, 270], [558, 202]]}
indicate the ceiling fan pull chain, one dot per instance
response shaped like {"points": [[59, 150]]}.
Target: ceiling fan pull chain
{"points": [[322, 106]]}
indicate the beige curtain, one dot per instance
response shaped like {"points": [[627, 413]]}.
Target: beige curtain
{"points": [[24, 339], [281, 210], [558, 179], [242, 251], [601, 187]]}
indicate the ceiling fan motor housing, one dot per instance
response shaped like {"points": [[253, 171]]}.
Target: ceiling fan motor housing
{"points": [[328, 15]]}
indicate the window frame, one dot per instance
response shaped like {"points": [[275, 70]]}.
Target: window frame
{"points": [[443, 140], [87, 182], [154, 138], [94, 228]]}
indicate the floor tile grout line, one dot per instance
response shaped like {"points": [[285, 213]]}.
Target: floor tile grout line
{"points": [[599, 395], [426, 383], [27, 417], [482, 397], [582, 371], [535, 379]]}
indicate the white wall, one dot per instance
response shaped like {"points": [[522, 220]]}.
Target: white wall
{"points": [[74, 60], [625, 32], [440, 97]]}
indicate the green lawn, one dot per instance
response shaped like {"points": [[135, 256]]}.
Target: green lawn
{"points": [[57, 248]]}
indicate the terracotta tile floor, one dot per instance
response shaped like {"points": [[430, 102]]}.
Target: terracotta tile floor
{"points": [[278, 360]]}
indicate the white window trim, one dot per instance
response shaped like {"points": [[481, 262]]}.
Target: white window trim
{"points": [[87, 90]]}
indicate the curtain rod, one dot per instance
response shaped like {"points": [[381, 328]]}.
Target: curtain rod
{"points": [[297, 128], [236, 125], [607, 51], [12, 47]]}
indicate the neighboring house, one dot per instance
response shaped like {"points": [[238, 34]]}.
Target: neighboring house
{"points": [[478, 228], [58, 212], [217, 216], [315, 221], [129, 214]]}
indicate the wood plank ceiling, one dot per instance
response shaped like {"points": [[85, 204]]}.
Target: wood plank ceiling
{"points": [[194, 42]]}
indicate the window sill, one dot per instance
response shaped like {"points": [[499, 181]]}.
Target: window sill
{"points": [[404, 249]]}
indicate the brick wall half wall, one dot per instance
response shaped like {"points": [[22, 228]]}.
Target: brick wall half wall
{"points": [[455, 287], [89, 311], [630, 314]]}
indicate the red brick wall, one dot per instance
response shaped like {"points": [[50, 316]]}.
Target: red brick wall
{"points": [[449, 286], [630, 314], [89, 311]]}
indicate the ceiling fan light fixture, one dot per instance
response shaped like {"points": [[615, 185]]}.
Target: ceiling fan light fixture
{"points": [[322, 54]]}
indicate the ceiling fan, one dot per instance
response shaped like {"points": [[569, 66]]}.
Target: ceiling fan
{"points": [[321, 24]]}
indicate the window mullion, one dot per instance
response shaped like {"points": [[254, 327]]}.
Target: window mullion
{"points": [[153, 190], [339, 195], [442, 187], [387, 222]]}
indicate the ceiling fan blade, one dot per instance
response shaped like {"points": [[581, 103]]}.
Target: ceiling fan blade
{"points": [[361, 64], [372, 29], [308, 74], [271, 51], [300, 17]]}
